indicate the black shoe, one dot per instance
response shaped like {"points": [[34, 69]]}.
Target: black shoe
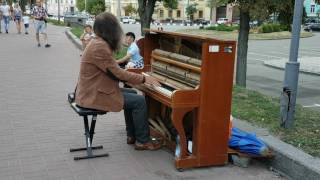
{"points": [[39, 45], [7, 32], [47, 46], [26, 33]]}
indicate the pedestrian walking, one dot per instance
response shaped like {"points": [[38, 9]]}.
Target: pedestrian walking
{"points": [[17, 15], [25, 20], [0, 19], [5, 11], [40, 15]]}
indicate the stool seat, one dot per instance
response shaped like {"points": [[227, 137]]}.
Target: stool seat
{"points": [[86, 111]]}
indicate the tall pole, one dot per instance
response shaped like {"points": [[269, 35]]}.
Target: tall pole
{"points": [[119, 10], [291, 77], [59, 11], [85, 6]]}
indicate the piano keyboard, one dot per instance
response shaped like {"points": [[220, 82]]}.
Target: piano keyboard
{"points": [[164, 91]]}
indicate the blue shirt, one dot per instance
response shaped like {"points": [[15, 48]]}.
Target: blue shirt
{"points": [[136, 58]]}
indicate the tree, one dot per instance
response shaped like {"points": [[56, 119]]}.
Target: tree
{"points": [[191, 9], [170, 4], [130, 9], [80, 4], [246, 7], [96, 7], [145, 10]]}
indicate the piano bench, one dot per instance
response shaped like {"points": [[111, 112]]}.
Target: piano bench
{"points": [[89, 131]]}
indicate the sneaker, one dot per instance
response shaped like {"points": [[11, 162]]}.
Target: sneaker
{"points": [[152, 146], [39, 45], [26, 33], [47, 46], [7, 32]]}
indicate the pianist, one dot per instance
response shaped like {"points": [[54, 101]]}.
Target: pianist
{"points": [[133, 59], [98, 83]]}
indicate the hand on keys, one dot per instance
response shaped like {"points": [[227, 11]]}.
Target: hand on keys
{"points": [[152, 81]]}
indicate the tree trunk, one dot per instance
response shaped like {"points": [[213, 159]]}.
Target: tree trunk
{"points": [[145, 10], [242, 52]]}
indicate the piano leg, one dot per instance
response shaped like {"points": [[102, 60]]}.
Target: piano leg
{"points": [[184, 160]]}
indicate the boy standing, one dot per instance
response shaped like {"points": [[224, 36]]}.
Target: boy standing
{"points": [[25, 20], [86, 36]]}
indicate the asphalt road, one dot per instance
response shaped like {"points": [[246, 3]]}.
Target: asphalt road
{"points": [[269, 80]]}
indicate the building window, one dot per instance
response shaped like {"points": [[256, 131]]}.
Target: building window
{"points": [[161, 13], [200, 14], [170, 13], [178, 13], [312, 9]]}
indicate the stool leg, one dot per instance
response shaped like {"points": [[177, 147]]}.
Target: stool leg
{"points": [[92, 126], [87, 135], [89, 131]]}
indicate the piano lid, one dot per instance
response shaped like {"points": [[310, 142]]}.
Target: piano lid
{"points": [[185, 35]]}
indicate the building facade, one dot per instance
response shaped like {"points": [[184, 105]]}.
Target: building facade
{"points": [[312, 9], [65, 6], [161, 13]]}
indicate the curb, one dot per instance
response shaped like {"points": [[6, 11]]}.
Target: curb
{"points": [[74, 39], [300, 70], [289, 161]]}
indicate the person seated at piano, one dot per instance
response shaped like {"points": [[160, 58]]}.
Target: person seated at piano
{"points": [[133, 59], [98, 82]]}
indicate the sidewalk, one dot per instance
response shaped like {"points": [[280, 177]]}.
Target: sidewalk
{"points": [[37, 126], [307, 64]]}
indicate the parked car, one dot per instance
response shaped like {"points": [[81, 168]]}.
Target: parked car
{"points": [[187, 22], [201, 21], [312, 27], [222, 21], [128, 20]]}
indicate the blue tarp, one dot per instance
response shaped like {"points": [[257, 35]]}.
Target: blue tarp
{"points": [[247, 143]]}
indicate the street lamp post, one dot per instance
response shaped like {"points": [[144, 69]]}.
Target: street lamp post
{"points": [[59, 11], [290, 83], [85, 5]]}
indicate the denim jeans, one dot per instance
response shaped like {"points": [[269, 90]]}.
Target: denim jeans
{"points": [[6, 21], [136, 115]]}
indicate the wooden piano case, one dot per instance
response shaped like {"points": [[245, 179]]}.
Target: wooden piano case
{"points": [[200, 114]]}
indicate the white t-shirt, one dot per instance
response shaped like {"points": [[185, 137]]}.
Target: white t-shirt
{"points": [[25, 19], [5, 9]]}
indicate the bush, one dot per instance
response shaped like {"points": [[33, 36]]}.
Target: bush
{"points": [[268, 28], [223, 27]]}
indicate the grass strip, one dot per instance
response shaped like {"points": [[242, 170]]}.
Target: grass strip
{"points": [[264, 111]]}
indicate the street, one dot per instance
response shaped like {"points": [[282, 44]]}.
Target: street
{"points": [[37, 126], [269, 80]]}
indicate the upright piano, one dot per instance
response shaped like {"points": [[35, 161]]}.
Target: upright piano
{"points": [[190, 112]]}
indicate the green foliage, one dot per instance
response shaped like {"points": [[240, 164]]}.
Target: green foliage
{"points": [[80, 4], [56, 22], [191, 9], [96, 7], [77, 31], [223, 27], [170, 4], [121, 53], [130, 9], [268, 28]]}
